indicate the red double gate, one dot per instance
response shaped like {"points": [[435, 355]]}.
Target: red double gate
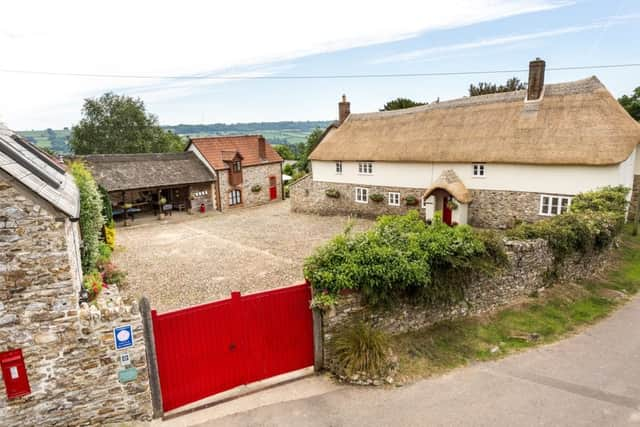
{"points": [[210, 348]]}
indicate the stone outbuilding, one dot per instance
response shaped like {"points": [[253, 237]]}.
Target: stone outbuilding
{"points": [[248, 170], [58, 363]]}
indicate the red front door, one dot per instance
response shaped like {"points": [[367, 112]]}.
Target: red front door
{"points": [[446, 212], [273, 189]]}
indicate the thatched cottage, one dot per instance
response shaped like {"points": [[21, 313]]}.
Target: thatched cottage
{"points": [[484, 160], [248, 170]]}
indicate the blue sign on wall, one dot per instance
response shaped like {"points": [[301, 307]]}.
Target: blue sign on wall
{"points": [[123, 337]]}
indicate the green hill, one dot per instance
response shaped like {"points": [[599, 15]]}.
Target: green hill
{"points": [[288, 132]]}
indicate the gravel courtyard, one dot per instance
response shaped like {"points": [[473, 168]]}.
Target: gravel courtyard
{"points": [[197, 260]]}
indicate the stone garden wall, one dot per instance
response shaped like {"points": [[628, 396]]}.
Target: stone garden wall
{"points": [[68, 350], [529, 262]]}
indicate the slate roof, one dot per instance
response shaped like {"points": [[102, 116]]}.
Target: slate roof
{"points": [[574, 123], [119, 172], [38, 172], [216, 150]]}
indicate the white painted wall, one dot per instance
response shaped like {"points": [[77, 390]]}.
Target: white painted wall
{"points": [[531, 178]]}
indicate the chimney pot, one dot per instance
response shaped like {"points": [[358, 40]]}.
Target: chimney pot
{"points": [[262, 151], [536, 79], [344, 109]]}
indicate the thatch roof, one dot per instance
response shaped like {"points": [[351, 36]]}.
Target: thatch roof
{"points": [[38, 172], [119, 172], [449, 181], [577, 123]]}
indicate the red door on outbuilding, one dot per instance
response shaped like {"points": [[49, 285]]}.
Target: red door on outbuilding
{"points": [[210, 348]]}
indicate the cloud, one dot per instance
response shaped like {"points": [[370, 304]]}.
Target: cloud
{"points": [[502, 40], [196, 37]]}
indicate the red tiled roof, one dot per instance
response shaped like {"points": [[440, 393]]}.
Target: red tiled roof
{"points": [[216, 150]]}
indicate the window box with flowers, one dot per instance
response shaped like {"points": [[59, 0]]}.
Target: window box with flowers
{"points": [[256, 188], [376, 197], [332, 193], [411, 200]]}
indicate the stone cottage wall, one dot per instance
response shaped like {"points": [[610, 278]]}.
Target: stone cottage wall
{"points": [[489, 208], [68, 351], [529, 262], [309, 196], [252, 175]]}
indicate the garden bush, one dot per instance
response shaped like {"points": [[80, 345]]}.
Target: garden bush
{"points": [[359, 348], [93, 283], [91, 219], [110, 234], [401, 256]]}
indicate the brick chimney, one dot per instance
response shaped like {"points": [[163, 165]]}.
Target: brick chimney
{"points": [[344, 109], [536, 79], [262, 151]]}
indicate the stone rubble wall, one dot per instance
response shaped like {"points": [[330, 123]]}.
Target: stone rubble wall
{"points": [[635, 197], [251, 175], [489, 208], [69, 350], [529, 264]]}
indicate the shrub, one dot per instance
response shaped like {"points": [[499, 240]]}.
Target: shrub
{"points": [[333, 193], [110, 234], [112, 275], [104, 254], [107, 210], [403, 257], [91, 219], [93, 283], [358, 347], [256, 188], [376, 197], [607, 199]]}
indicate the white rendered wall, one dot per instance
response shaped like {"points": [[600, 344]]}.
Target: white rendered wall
{"points": [[530, 178]]}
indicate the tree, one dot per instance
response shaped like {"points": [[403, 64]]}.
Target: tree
{"points": [[484, 88], [632, 103], [120, 124], [400, 103], [284, 151], [312, 142]]}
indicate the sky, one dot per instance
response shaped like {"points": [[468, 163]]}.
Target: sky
{"points": [[137, 48]]}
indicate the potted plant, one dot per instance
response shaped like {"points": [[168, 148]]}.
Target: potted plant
{"points": [[256, 188], [411, 200], [126, 208], [451, 204], [333, 193], [376, 197], [161, 203]]}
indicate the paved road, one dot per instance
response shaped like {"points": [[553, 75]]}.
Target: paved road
{"points": [[592, 379]]}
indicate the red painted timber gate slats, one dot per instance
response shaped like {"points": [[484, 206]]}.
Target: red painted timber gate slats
{"points": [[210, 348]]}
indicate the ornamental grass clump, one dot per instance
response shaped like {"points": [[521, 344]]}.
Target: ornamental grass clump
{"points": [[403, 257], [359, 349]]}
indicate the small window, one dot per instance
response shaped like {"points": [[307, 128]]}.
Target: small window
{"points": [[235, 197], [339, 167], [365, 168], [394, 199], [237, 167], [478, 170], [362, 195], [554, 205]]}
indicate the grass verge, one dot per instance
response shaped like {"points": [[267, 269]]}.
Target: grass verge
{"points": [[562, 310]]}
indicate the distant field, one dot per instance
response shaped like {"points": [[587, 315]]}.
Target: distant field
{"points": [[289, 133]]}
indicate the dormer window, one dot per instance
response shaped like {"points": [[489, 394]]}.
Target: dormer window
{"points": [[478, 170], [237, 167], [365, 168]]}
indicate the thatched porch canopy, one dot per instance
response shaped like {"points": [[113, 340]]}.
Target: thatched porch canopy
{"points": [[124, 172], [450, 182]]}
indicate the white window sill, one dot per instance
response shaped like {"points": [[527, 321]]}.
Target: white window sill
{"points": [[360, 201]]}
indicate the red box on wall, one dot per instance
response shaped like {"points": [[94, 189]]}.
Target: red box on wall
{"points": [[14, 374]]}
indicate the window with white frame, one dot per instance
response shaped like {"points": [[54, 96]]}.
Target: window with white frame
{"points": [[235, 197], [478, 170], [365, 168], [554, 205], [362, 195], [339, 167], [394, 199]]}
